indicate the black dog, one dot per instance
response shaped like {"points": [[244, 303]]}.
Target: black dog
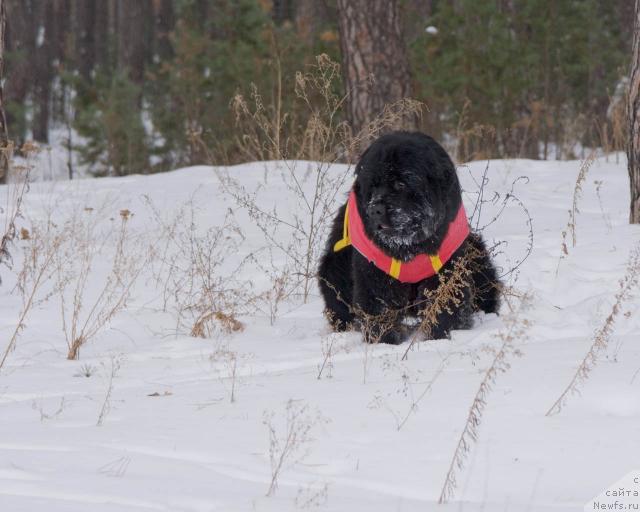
{"points": [[405, 233]]}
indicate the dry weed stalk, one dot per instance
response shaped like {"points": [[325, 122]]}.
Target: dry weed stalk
{"points": [[515, 330], [16, 191], [283, 284], [574, 211], [416, 399], [577, 194], [331, 345], [114, 368], [499, 202], [85, 314], [232, 363], [292, 445], [475, 141], [602, 336], [205, 296], [605, 216], [42, 247], [326, 343], [407, 390]]}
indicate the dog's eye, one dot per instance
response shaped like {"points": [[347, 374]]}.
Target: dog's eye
{"points": [[398, 186]]}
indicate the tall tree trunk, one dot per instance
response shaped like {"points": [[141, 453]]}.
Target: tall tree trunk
{"points": [[165, 20], [85, 25], [633, 149], [20, 40], [134, 48], [44, 16], [4, 135], [103, 24], [62, 55], [372, 48]]}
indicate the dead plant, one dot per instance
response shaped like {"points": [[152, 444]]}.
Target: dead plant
{"points": [[602, 336], [515, 331], [230, 366], [111, 373], [85, 312], [192, 271], [41, 247], [574, 211], [331, 345], [283, 284], [408, 391], [292, 445], [16, 191]]}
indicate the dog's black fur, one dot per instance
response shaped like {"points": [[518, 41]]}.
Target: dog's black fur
{"points": [[407, 193]]}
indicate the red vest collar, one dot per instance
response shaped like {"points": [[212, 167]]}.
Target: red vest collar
{"points": [[420, 267]]}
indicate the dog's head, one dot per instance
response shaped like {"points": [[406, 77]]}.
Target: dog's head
{"points": [[407, 192]]}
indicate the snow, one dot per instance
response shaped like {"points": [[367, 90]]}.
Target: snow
{"points": [[171, 439]]}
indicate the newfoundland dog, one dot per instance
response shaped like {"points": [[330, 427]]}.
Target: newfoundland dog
{"points": [[401, 252]]}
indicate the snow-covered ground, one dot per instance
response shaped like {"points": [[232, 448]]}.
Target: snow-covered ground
{"points": [[170, 438]]}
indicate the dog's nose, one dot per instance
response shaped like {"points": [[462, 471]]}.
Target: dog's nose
{"points": [[377, 214], [376, 210]]}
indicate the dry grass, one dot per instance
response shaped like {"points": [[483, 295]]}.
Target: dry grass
{"points": [[574, 211], [602, 336], [92, 233], [498, 202], [612, 132], [409, 393], [16, 191], [230, 367], [190, 269], [292, 444], [577, 195], [111, 373], [514, 332], [331, 345], [227, 322], [284, 284], [40, 249], [541, 131], [472, 140]]}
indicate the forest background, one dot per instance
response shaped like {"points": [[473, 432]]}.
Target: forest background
{"points": [[151, 85]]}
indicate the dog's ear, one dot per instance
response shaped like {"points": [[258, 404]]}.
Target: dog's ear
{"points": [[362, 161]]}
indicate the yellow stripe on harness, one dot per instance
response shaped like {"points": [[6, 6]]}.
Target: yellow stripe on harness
{"points": [[394, 269], [436, 262], [345, 240]]}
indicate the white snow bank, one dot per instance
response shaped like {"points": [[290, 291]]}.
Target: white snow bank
{"points": [[172, 440]]}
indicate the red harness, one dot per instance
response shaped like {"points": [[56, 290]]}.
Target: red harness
{"points": [[417, 269]]}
